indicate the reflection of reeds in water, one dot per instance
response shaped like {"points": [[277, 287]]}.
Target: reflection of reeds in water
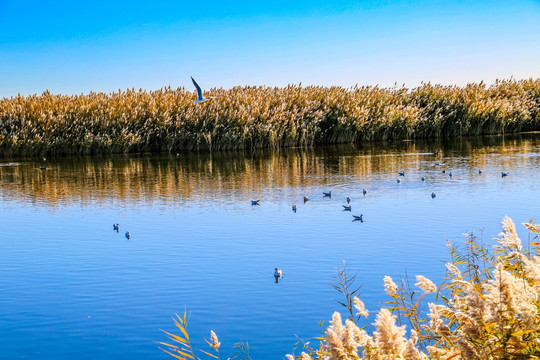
{"points": [[167, 120], [230, 175]]}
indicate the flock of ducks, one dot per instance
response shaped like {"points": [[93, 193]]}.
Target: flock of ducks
{"points": [[278, 274], [364, 192], [326, 195]]}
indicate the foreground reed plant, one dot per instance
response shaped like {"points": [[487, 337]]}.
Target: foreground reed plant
{"points": [[167, 120], [488, 308]]}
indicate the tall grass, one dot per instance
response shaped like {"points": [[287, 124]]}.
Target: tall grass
{"points": [[488, 308], [167, 120]]}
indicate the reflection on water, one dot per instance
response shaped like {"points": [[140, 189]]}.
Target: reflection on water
{"points": [[228, 175], [72, 285]]}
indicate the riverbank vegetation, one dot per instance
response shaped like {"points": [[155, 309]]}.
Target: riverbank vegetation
{"points": [[488, 308], [167, 120]]}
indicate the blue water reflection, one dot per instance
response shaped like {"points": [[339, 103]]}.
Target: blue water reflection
{"points": [[72, 287]]}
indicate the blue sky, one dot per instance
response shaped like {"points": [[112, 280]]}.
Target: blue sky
{"points": [[75, 47]]}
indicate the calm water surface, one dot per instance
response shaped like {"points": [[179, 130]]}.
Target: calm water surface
{"points": [[71, 287]]}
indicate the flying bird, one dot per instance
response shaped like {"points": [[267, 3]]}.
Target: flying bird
{"points": [[200, 97]]}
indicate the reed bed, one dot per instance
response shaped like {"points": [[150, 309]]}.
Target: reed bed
{"points": [[167, 120], [488, 308]]}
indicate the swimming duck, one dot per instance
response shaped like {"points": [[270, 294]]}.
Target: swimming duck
{"points": [[255, 202], [503, 174], [348, 200], [294, 208], [450, 174], [398, 181], [423, 178], [364, 191], [115, 227], [306, 199], [433, 195], [402, 173], [327, 194], [128, 235], [346, 208], [358, 218], [479, 171]]}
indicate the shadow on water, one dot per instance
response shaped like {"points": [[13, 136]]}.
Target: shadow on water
{"points": [[181, 176]]}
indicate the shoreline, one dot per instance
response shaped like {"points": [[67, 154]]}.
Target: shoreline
{"points": [[249, 118]]}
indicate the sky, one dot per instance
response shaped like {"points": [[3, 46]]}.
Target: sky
{"points": [[73, 47]]}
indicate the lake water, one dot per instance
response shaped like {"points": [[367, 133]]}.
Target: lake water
{"points": [[72, 288]]}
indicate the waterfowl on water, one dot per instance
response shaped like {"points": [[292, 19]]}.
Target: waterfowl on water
{"points": [[306, 199], [115, 227], [437, 164], [294, 208], [327, 194], [364, 191], [450, 174], [358, 218], [200, 97], [278, 274], [346, 208], [255, 202], [128, 235], [503, 174], [433, 195], [479, 171], [423, 178], [444, 171], [402, 173], [398, 181], [348, 200]]}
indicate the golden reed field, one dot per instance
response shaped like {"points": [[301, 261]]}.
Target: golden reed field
{"points": [[167, 120]]}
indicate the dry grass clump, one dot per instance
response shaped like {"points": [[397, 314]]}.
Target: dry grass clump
{"points": [[167, 120], [487, 309]]}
